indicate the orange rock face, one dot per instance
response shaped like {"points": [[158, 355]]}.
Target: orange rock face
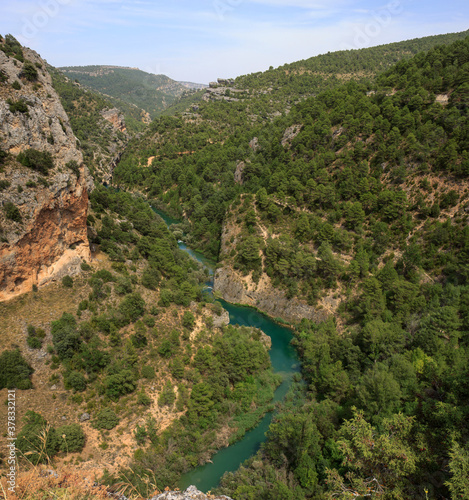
{"points": [[46, 237], [52, 247], [114, 116]]}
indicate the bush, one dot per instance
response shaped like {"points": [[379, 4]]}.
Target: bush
{"points": [[37, 439], [34, 342], [15, 106], [74, 439], [74, 167], [149, 321], [143, 399], [65, 336], [67, 281], [105, 275], [14, 371], [75, 380], [188, 320], [85, 266], [29, 72], [132, 307], [12, 212], [119, 384], [148, 372], [16, 85], [105, 419], [151, 278], [40, 161], [4, 184]]}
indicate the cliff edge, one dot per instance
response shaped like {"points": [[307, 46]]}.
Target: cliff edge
{"points": [[43, 181]]}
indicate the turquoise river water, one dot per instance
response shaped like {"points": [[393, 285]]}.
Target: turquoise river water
{"points": [[284, 362]]}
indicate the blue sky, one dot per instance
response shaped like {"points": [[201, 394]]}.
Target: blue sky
{"points": [[201, 40]]}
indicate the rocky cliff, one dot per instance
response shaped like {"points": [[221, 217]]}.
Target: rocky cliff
{"points": [[235, 287], [43, 181]]}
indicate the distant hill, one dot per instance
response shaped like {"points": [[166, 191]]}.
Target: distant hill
{"points": [[152, 93], [304, 76]]}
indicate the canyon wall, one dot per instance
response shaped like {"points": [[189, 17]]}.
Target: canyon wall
{"points": [[43, 233]]}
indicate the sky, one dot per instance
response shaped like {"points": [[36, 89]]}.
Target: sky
{"points": [[202, 40]]}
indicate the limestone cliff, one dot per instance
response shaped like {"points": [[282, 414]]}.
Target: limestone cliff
{"points": [[115, 118], [44, 208], [235, 287]]}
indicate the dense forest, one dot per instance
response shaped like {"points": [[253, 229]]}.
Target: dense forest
{"points": [[348, 187], [362, 190], [153, 93]]}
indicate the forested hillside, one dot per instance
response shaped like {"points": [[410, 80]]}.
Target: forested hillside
{"points": [[340, 182], [360, 191], [153, 93]]}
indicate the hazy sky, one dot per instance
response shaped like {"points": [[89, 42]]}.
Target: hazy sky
{"points": [[200, 40]]}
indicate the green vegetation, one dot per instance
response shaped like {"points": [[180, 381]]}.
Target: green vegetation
{"points": [[29, 71], [37, 160], [21, 106], [67, 281], [12, 212], [106, 419], [349, 194], [38, 441], [358, 194], [11, 47], [14, 371], [152, 93]]}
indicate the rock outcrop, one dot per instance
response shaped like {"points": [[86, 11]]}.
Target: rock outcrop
{"points": [[115, 118], [237, 288], [191, 493], [43, 222]]}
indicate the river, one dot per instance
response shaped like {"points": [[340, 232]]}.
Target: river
{"points": [[284, 362]]}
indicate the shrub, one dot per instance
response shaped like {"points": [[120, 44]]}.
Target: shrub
{"points": [[16, 85], [119, 384], [75, 380], [15, 106], [12, 212], [139, 340], [148, 372], [105, 419], [166, 349], [71, 438], [29, 72], [85, 266], [34, 342], [123, 286], [14, 371], [65, 337], [151, 278], [188, 320], [67, 281], [83, 305], [4, 184], [132, 307], [149, 321], [167, 397], [105, 275], [74, 167], [37, 160], [143, 399], [37, 439]]}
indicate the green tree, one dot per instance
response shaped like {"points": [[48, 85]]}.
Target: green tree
{"points": [[14, 371], [379, 462]]}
